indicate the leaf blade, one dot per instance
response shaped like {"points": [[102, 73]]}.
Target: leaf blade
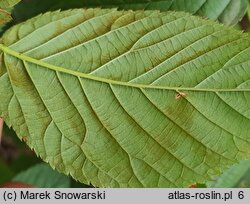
{"points": [[4, 17], [163, 143], [8, 3]]}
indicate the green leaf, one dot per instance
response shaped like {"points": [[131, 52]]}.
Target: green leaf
{"points": [[4, 17], [226, 11], [231, 177], [128, 99], [8, 3], [244, 182], [42, 176]]}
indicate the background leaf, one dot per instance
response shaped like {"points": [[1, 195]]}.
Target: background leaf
{"points": [[233, 177], [227, 11], [135, 99], [8, 3], [42, 176], [4, 17]]}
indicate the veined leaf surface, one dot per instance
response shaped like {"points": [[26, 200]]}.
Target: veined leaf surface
{"points": [[128, 99]]}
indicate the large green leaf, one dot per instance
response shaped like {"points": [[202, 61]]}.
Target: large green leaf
{"points": [[128, 99], [226, 11]]}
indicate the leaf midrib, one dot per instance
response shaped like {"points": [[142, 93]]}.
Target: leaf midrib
{"points": [[27, 58]]}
